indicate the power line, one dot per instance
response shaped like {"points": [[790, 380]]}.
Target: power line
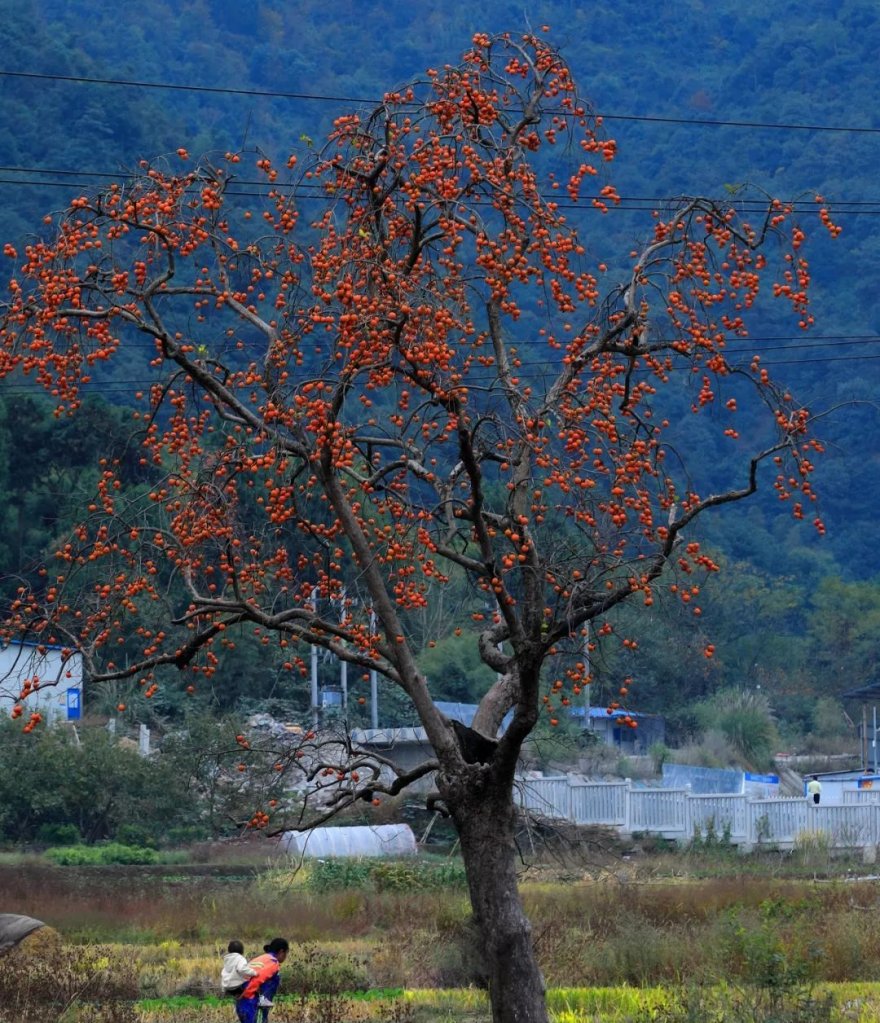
{"points": [[109, 176], [311, 191], [751, 125], [628, 204], [365, 100], [130, 386], [752, 344], [216, 90]]}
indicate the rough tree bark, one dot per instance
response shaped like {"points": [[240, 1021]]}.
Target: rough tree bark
{"points": [[485, 819]]}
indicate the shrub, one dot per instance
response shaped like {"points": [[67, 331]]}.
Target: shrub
{"points": [[695, 1004], [101, 855], [413, 876], [58, 834], [659, 753], [447, 956], [327, 875], [67, 782], [707, 839], [746, 721], [135, 835], [115, 852], [310, 970], [386, 875], [36, 987], [813, 849]]}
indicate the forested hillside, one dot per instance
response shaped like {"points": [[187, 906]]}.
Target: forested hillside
{"points": [[701, 99]]}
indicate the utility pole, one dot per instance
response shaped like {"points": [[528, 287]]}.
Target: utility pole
{"points": [[343, 664], [315, 666], [587, 701], [343, 683], [374, 682], [874, 740]]}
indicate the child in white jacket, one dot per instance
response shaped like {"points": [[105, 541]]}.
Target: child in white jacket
{"points": [[236, 972]]}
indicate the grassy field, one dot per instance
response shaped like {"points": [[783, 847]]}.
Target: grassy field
{"points": [[644, 940], [853, 1003]]}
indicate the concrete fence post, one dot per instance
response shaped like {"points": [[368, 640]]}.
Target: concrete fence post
{"points": [[627, 807], [688, 822]]}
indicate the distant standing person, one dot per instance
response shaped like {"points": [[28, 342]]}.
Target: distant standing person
{"points": [[259, 991], [814, 789]]}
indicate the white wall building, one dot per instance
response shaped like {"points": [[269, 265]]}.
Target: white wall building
{"points": [[55, 682]]}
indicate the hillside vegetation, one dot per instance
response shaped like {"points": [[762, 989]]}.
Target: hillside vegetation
{"points": [[682, 87]]}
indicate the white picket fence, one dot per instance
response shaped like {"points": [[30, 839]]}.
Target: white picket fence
{"points": [[681, 815]]}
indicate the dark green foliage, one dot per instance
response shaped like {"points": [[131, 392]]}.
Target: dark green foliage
{"points": [[455, 670], [49, 469], [58, 834], [52, 784]]}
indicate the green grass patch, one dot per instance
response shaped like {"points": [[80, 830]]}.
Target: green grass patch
{"points": [[367, 874], [106, 855]]}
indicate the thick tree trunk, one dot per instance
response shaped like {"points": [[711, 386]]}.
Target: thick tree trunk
{"points": [[485, 822]]}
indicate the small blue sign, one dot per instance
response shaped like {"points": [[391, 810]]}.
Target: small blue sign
{"points": [[74, 706], [764, 779]]}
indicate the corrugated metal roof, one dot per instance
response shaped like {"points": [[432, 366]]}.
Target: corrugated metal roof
{"points": [[388, 736], [605, 714]]}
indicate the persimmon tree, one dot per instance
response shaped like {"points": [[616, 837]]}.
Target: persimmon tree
{"points": [[409, 367]]}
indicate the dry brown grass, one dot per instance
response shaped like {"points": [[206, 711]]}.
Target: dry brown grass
{"points": [[612, 933], [616, 928]]}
